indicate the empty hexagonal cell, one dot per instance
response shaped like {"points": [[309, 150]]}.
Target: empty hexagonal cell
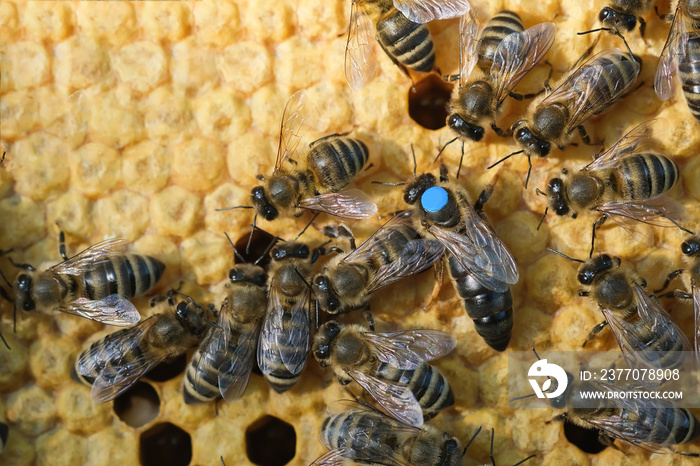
{"points": [[165, 443], [427, 102], [168, 369], [260, 244], [137, 406], [267, 431], [587, 440]]}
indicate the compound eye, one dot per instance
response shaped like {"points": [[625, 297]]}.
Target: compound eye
{"points": [[322, 352], [333, 305], [562, 209], [455, 121], [332, 328], [521, 133], [690, 248], [23, 282], [235, 276], [630, 22], [181, 310], [607, 262], [303, 251], [586, 277], [605, 13]]}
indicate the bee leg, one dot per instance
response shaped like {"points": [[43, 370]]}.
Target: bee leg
{"points": [[686, 453], [500, 132], [5, 295], [667, 17], [62, 245], [438, 271], [642, 26], [443, 173], [596, 225], [585, 138], [596, 330], [369, 318], [450, 78], [558, 418], [670, 278], [483, 198]]}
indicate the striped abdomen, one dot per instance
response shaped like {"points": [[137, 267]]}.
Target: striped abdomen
{"points": [[428, 385], [390, 248], [406, 42], [667, 425], [643, 176], [357, 431], [501, 25], [491, 311], [335, 161], [689, 72], [127, 275]]}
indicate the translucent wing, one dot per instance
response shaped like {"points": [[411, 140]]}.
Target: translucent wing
{"points": [[588, 86], [633, 337], [696, 309], [350, 203], [295, 112], [235, 372], [335, 457], [635, 141], [398, 400], [410, 348], [517, 54], [112, 310], [468, 40], [360, 61], [417, 256], [655, 211], [90, 257], [423, 11], [371, 245], [676, 44]]}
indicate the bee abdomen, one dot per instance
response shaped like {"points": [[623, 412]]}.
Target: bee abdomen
{"points": [[668, 425], [689, 72], [127, 275], [407, 42], [643, 176], [336, 160], [281, 379], [201, 380], [501, 25], [620, 72], [104, 358]]}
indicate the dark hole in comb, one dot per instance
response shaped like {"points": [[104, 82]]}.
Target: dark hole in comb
{"points": [[587, 440], [137, 406], [266, 432], [259, 245], [168, 369], [165, 443], [427, 106]]}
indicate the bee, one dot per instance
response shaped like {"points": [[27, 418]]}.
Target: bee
{"points": [[646, 334], [681, 54], [391, 367], [400, 31], [480, 265], [625, 181], [622, 15], [588, 90], [94, 283], [4, 433], [504, 53], [117, 361], [393, 252], [224, 360], [284, 340], [367, 436], [331, 164]]}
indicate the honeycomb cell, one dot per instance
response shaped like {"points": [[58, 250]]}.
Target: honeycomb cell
{"points": [[203, 256], [122, 214], [573, 323], [63, 114], [47, 22], [50, 361], [113, 445], [331, 110], [168, 112], [428, 101], [137, 406], [267, 107], [175, 211], [270, 22], [216, 23], [71, 212], [587, 440], [531, 325], [222, 114], [519, 232], [197, 164], [18, 113], [23, 222], [192, 67], [19, 449], [31, 410], [14, 362], [269, 430], [551, 281], [251, 56], [165, 21], [39, 169], [94, 168], [78, 413], [79, 62], [145, 167], [319, 20], [298, 63], [60, 447], [377, 111], [165, 443], [114, 119], [29, 64], [9, 19], [226, 195], [690, 175], [114, 23], [245, 158], [141, 65]]}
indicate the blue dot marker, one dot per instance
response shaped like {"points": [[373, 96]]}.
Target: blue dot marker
{"points": [[434, 199]]}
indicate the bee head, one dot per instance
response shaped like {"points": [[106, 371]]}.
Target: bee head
{"points": [[262, 204], [555, 192], [285, 250], [531, 144], [23, 296], [326, 296], [322, 341], [618, 23], [594, 266], [247, 273], [417, 187], [465, 129], [691, 246], [452, 451], [559, 402], [191, 315]]}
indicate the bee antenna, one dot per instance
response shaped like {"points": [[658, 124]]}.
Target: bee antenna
{"points": [[493, 461], [388, 184], [235, 251], [1, 161], [267, 249], [521, 397], [415, 165], [504, 158], [213, 324], [5, 279], [222, 461], [546, 209], [541, 193], [3, 338], [307, 225], [443, 148], [461, 157], [14, 318], [593, 30], [522, 461], [302, 278], [250, 238], [260, 177], [472, 440], [235, 207], [534, 351], [529, 170], [564, 255]]}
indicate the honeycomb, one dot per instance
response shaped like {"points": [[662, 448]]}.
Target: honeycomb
{"points": [[139, 119]]}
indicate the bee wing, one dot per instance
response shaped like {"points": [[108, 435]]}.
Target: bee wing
{"points": [[635, 141], [360, 61], [111, 310], [371, 245], [409, 348], [335, 457], [696, 309], [91, 256], [583, 88], [468, 40], [416, 256], [676, 44], [239, 366], [295, 112], [398, 400], [517, 54], [350, 203], [423, 11], [655, 211]]}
